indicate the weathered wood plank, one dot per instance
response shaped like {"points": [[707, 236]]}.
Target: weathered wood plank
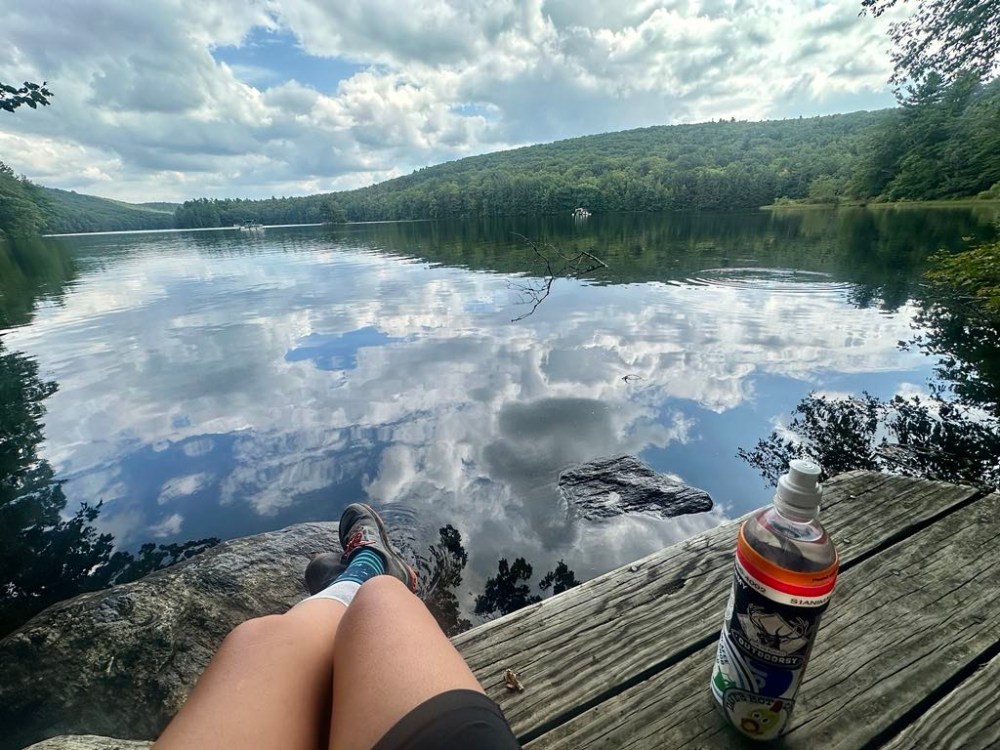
{"points": [[966, 718], [903, 623], [573, 648]]}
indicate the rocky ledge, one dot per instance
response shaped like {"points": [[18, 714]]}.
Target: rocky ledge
{"points": [[624, 485], [120, 662], [90, 742]]}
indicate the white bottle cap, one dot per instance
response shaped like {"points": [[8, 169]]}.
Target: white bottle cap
{"points": [[799, 491]]}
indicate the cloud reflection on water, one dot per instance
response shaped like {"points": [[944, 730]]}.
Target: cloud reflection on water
{"points": [[229, 393]]}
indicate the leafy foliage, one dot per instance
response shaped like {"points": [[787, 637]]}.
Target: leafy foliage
{"points": [[508, 591], [953, 435], [959, 323], [950, 38], [945, 143], [559, 580], [21, 209], [33, 95], [974, 274], [27, 209]]}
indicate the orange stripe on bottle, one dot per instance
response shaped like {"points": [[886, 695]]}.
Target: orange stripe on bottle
{"points": [[819, 582]]}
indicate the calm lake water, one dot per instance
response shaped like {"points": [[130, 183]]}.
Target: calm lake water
{"points": [[222, 384]]}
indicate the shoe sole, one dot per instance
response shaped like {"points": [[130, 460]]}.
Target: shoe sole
{"points": [[384, 533]]}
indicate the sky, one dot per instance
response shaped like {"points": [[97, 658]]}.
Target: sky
{"points": [[176, 99]]}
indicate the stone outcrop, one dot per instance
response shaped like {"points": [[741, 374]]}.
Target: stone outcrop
{"points": [[621, 485], [120, 662], [89, 742]]}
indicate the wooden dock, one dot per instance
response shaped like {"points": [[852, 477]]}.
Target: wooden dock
{"points": [[908, 655]]}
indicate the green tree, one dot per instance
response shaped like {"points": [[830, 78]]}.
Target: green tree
{"points": [[509, 590], [20, 212], [958, 323], [950, 38], [30, 94], [334, 212]]}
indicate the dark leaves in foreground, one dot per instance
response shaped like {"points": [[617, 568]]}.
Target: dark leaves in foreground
{"points": [[30, 94], [949, 38]]}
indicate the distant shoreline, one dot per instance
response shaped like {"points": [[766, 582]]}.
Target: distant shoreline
{"points": [[173, 229], [941, 203]]}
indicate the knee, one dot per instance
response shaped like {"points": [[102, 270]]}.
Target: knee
{"points": [[378, 591], [251, 634]]}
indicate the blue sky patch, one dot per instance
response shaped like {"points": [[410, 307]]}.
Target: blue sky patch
{"points": [[270, 58], [338, 351]]}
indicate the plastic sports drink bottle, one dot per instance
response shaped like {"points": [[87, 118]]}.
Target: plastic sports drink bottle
{"points": [[785, 571]]}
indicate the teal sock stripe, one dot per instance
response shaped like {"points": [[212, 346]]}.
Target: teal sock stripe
{"points": [[364, 564]]}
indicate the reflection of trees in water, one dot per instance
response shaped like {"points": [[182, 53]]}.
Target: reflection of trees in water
{"points": [[440, 575], [882, 251], [953, 434], [509, 590], [44, 557], [918, 437], [965, 339]]}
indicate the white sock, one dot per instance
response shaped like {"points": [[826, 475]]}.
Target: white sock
{"points": [[341, 591]]}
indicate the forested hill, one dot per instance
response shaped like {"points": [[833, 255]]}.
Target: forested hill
{"points": [[716, 166], [67, 211], [27, 209], [945, 143]]}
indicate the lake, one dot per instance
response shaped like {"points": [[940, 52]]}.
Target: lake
{"points": [[221, 383]]}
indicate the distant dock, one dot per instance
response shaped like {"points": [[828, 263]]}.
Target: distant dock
{"points": [[908, 655]]}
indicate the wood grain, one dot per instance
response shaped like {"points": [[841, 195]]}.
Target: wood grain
{"points": [[576, 647], [903, 623], [966, 718]]}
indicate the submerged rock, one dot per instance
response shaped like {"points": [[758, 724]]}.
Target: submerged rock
{"points": [[120, 662], [621, 485]]}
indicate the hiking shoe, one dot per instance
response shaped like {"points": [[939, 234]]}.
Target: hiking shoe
{"points": [[360, 526], [322, 570]]}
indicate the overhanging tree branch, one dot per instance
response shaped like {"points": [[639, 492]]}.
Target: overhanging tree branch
{"points": [[30, 94]]}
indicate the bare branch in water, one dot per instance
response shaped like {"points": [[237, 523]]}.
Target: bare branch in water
{"points": [[557, 264]]}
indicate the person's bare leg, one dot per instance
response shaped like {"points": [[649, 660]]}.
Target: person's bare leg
{"points": [[267, 687], [391, 656]]}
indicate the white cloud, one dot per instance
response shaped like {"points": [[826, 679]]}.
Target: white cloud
{"points": [[453, 412], [169, 526], [143, 110]]}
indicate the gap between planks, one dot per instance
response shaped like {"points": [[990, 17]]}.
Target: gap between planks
{"points": [[626, 606], [944, 574]]}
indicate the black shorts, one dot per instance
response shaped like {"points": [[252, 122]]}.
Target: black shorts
{"points": [[456, 719]]}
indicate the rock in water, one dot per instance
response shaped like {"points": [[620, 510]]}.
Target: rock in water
{"points": [[620, 485], [89, 742], [120, 662]]}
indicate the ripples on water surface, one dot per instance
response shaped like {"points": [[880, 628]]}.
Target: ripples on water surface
{"points": [[218, 384]]}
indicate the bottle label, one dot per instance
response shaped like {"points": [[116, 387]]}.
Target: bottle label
{"points": [[769, 629]]}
